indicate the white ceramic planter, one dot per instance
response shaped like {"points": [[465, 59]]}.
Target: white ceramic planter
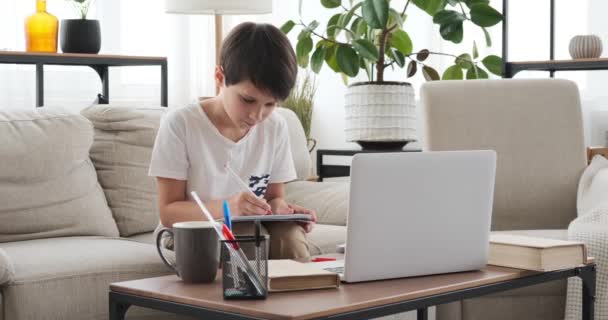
{"points": [[585, 47], [380, 112]]}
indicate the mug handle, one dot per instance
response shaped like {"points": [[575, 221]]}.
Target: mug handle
{"points": [[160, 252]]}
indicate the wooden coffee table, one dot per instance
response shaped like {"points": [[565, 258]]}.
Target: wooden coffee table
{"points": [[350, 301]]}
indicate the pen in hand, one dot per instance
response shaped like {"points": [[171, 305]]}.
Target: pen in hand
{"points": [[235, 177]]}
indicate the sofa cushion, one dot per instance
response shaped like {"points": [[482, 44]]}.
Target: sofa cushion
{"points": [[124, 138], [297, 144], [324, 238], [49, 185], [328, 199], [68, 278], [527, 122], [7, 271]]}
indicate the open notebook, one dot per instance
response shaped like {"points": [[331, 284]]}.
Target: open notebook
{"points": [[275, 217]]}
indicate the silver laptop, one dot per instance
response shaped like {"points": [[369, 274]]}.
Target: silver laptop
{"points": [[413, 214]]}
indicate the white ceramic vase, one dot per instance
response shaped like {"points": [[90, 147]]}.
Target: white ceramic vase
{"points": [[585, 47], [380, 112]]}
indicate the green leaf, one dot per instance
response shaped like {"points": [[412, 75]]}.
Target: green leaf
{"points": [[375, 13], [345, 19], [476, 73], [303, 61], [470, 3], [422, 54], [331, 23], [305, 33], [430, 6], [330, 4], [368, 68], [448, 17], [344, 79], [366, 49], [488, 38], [412, 67], [331, 57], [359, 27], [430, 74], [395, 18], [484, 16], [348, 60], [304, 46], [287, 26], [475, 52], [401, 41], [493, 63], [397, 56], [464, 61], [453, 73], [452, 32], [317, 58], [313, 25]]}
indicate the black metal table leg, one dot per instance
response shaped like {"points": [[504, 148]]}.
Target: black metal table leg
{"points": [[588, 275], [164, 87], [423, 314], [117, 309], [104, 76], [105, 82], [39, 85]]}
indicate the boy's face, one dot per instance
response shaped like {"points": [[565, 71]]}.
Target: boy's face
{"points": [[245, 104]]}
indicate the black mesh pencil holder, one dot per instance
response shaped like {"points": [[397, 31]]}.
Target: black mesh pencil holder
{"points": [[245, 267]]}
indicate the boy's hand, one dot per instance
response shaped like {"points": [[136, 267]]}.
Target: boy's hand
{"points": [[308, 226], [247, 204], [280, 206]]}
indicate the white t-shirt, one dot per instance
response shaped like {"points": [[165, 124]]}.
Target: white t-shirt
{"points": [[189, 147]]}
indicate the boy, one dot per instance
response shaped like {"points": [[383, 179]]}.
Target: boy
{"points": [[236, 128]]}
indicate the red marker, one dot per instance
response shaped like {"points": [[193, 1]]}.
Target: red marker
{"points": [[229, 236], [321, 259]]}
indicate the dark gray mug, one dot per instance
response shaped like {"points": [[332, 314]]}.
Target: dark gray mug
{"points": [[196, 246]]}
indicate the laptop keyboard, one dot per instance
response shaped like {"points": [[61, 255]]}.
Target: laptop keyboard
{"points": [[339, 270]]}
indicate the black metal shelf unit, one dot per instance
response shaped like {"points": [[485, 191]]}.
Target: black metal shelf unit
{"points": [[99, 63], [551, 65]]}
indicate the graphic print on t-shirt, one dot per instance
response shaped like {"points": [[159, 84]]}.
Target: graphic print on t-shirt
{"points": [[258, 184]]}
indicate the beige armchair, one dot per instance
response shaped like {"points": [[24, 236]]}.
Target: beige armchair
{"points": [[536, 128]]}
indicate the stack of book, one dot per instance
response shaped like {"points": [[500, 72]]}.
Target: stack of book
{"points": [[539, 254], [290, 275]]}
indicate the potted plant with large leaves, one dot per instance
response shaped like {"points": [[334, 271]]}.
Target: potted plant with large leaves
{"points": [[80, 35], [369, 36]]}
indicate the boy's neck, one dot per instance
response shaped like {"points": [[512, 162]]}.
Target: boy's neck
{"points": [[214, 109]]}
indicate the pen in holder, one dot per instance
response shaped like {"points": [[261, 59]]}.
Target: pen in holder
{"points": [[237, 281]]}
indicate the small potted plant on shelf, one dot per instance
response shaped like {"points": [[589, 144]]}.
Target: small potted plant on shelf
{"points": [[80, 35], [370, 36]]}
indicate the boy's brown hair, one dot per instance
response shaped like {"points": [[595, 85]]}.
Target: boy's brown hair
{"points": [[262, 54]]}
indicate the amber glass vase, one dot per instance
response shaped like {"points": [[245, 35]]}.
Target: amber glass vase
{"points": [[41, 30]]}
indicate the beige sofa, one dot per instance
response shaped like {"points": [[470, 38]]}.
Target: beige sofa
{"points": [[77, 209]]}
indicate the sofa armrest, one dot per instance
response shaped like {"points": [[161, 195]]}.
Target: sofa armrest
{"points": [[328, 199], [7, 271], [593, 151]]}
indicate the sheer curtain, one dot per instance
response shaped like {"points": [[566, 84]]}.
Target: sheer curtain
{"points": [[140, 27]]}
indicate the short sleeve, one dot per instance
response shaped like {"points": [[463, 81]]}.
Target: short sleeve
{"points": [[283, 168], [170, 156]]}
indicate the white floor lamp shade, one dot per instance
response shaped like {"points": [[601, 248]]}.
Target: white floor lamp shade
{"points": [[223, 7]]}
